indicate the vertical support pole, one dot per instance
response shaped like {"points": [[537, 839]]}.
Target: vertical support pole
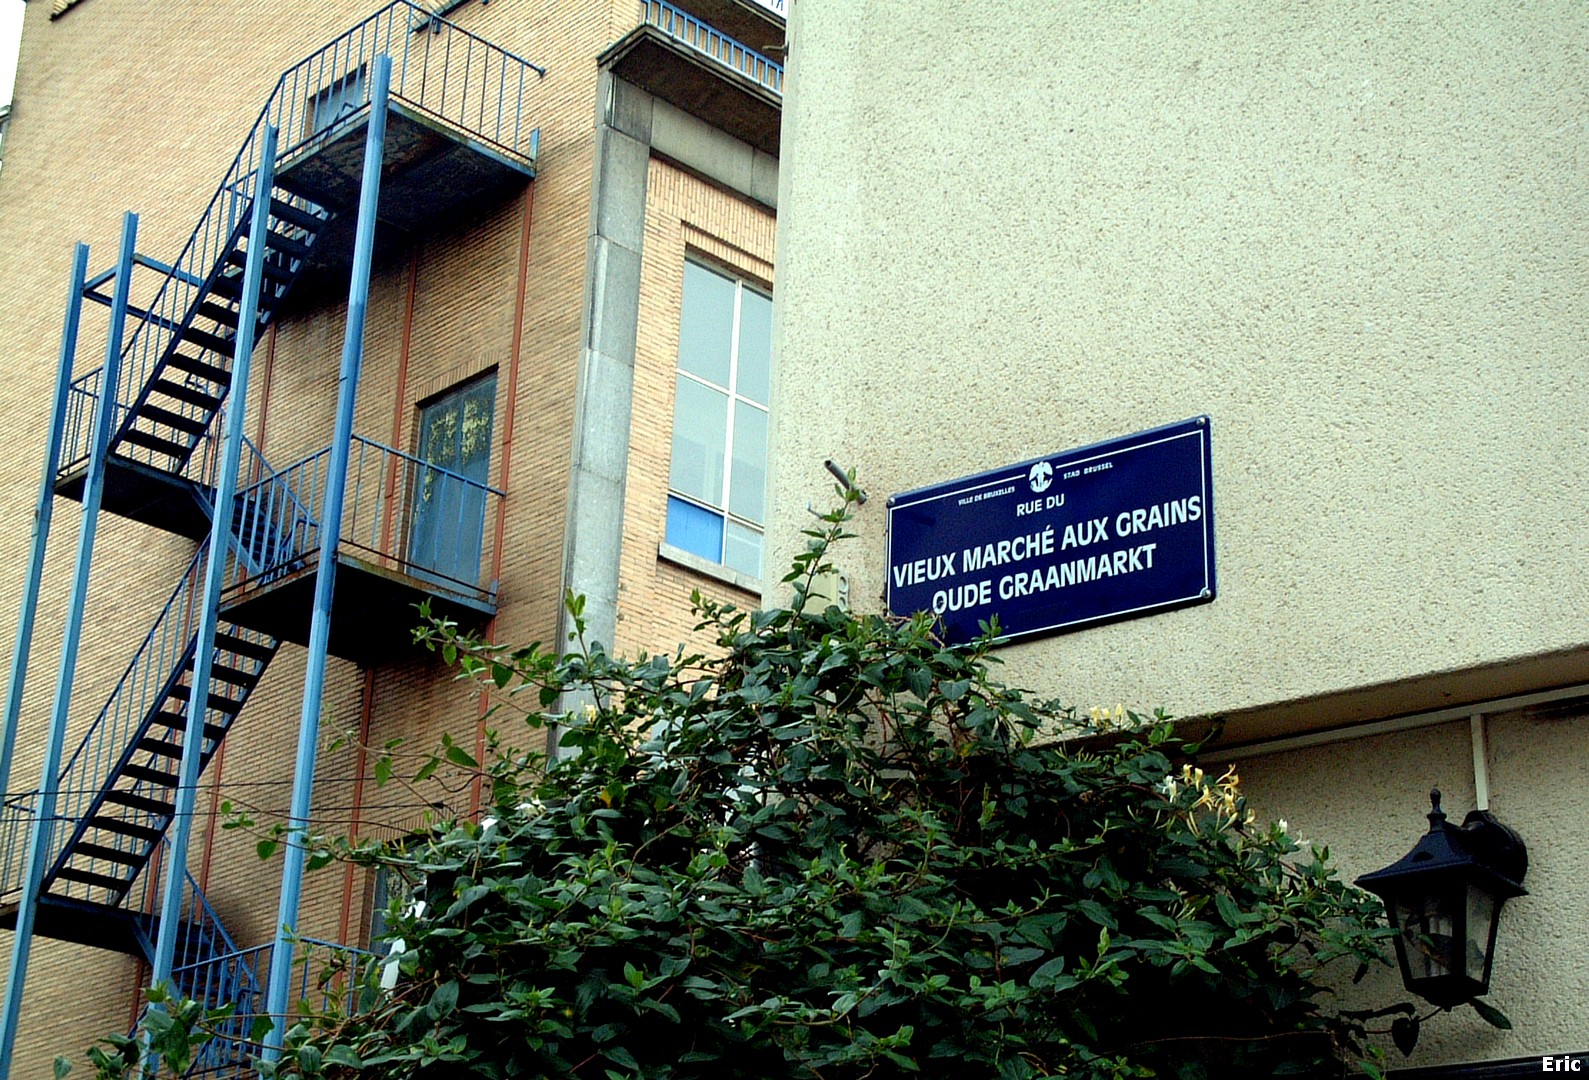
{"points": [[279, 986], [215, 569], [39, 852], [41, 517]]}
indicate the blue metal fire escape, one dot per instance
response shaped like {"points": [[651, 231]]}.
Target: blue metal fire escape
{"points": [[438, 112]]}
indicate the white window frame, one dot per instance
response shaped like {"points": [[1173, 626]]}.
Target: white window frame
{"points": [[742, 284]]}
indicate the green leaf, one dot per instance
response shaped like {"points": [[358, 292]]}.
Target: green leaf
{"points": [[267, 848], [1051, 976], [1491, 1015], [62, 1067], [342, 1054], [1021, 955], [445, 998], [461, 757], [261, 1028], [619, 1056], [1404, 1033], [1097, 913]]}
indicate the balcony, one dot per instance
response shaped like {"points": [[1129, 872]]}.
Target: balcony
{"points": [[696, 67], [456, 138], [412, 532]]}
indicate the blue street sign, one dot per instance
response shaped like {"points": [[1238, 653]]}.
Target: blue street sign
{"points": [[1110, 531]]}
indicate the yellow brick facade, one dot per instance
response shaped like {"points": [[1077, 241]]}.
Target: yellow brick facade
{"points": [[118, 107], [685, 217]]}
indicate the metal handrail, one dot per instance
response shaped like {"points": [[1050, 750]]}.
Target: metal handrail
{"points": [[109, 742], [15, 827], [713, 43], [234, 978], [290, 500], [155, 667], [162, 654], [213, 976]]}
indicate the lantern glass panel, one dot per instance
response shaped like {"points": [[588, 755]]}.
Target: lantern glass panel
{"points": [[1427, 933], [1481, 916]]}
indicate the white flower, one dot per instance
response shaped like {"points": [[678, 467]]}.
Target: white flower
{"points": [[486, 823], [1281, 825]]}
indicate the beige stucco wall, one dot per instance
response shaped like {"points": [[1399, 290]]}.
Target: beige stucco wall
{"points": [[1363, 798], [1355, 238]]}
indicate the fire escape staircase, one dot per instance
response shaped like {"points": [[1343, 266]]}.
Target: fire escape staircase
{"points": [[179, 401], [117, 793]]}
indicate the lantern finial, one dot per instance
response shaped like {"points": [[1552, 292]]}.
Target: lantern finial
{"points": [[1437, 816]]}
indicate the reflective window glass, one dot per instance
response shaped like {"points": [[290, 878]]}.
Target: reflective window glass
{"points": [[717, 476]]}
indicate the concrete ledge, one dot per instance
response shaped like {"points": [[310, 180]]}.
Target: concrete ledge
{"points": [[690, 561]]}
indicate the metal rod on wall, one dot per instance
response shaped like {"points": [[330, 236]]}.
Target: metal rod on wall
{"points": [[42, 513], [49, 774], [280, 985], [215, 569]]}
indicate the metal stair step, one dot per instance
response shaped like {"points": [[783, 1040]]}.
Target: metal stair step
{"points": [[206, 340], [194, 366], [109, 854], [285, 211], [223, 673], [218, 702], [220, 313], [125, 828], [179, 722], [155, 442], [98, 881], [187, 394], [172, 420], [150, 776], [139, 802], [151, 745], [244, 646], [287, 245], [273, 271], [235, 676]]}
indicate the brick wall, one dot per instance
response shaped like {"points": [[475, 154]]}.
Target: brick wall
{"points": [[121, 107], [684, 215]]}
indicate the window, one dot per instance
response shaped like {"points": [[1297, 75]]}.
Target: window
{"points": [[717, 479], [447, 522], [341, 99]]}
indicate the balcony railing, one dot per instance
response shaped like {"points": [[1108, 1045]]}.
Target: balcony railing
{"points": [[398, 510], [328, 979], [696, 35]]}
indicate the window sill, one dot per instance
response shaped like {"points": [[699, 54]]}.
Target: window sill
{"points": [[690, 561]]}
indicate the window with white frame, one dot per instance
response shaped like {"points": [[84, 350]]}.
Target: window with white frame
{"points": [[717, 480]]}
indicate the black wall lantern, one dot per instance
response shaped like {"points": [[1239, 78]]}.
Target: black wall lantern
{"points": [[1444, 898]]}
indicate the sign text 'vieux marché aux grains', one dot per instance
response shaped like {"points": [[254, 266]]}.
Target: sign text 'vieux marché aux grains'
{"points": [[1114, 530]]}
